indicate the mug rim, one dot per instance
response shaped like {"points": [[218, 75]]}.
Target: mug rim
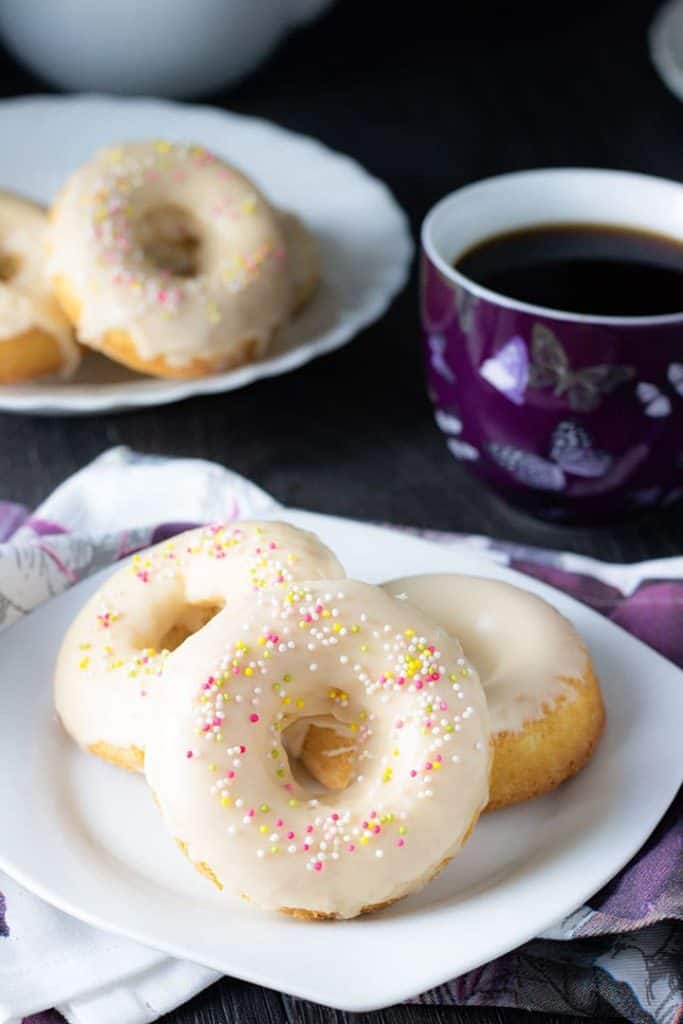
{"points": [[505, 301]]}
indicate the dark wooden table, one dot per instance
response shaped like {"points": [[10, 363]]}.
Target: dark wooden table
{"points": [[428, 96]]}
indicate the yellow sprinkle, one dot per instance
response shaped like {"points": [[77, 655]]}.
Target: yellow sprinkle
{"points": [[274, 849], [287, 678], [226, 801], [263, 829], [84, 647], [396, 752], [275, 753], [402, 830], [353, 727], [364, 648], [363, 715], [387, 775], [264, 808], [162, 146], [436, 765], [364, 840], [213, 767], [409, 632], [280, 773], [248, 671], [300, 703], [262, 641], [355, 629], [84, 662], [293, 803]]}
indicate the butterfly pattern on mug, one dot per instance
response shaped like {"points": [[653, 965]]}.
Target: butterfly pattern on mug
{"points": [[571, 454], [437, 357], [585, 387], [508, 370], [451, 424], [656, 403]]}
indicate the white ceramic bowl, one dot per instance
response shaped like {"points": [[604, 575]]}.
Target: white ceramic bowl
{"points": [[159, 47]]}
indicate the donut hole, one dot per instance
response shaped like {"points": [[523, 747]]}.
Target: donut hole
{"points": [[170, 240], [191, 619], [10, 265], [321, 753]]}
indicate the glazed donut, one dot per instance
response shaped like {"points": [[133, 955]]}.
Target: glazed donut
{"points": [[544, 699], [36, 339], [111, 660], [172, 262], [241, 806]]}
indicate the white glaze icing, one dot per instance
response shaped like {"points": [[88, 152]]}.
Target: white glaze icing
{"points": [[25, 299], [400, 684], [243, 289], [111, 660], [524, 650]]}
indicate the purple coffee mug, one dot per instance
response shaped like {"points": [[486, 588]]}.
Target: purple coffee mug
{"points": [[573, 417]]}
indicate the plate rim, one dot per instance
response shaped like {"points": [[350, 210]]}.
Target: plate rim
{"points": [[391, 279], [356, 1002]]}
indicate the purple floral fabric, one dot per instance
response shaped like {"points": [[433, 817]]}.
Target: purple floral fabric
{"points": [[625, 954]]}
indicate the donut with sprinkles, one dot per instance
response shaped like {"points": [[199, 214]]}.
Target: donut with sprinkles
{"points": [[545, 702], [171, 261], [238, 800], [110, 668]]}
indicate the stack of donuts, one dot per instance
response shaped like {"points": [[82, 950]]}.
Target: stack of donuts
{"points": [[318, 745], [159, 255]]}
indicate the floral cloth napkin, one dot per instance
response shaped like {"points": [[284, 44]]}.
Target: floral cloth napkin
{"points": [[621, 953]]}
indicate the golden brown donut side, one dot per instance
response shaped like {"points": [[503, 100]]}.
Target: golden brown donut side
{"points": [[548, 750]]}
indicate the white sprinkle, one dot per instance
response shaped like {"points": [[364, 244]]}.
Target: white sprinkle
{"points": [[379, 854]]}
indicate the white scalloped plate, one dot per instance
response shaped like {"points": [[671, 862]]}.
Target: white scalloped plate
{"points": [[86, 836], [364, 238]]}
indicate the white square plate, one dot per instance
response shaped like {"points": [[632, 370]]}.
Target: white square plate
{"points": [[87, 838]]}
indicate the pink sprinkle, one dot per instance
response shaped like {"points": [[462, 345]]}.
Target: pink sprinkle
{"points": [[254, 718], [231, 774], [189, 754], [319, 608], [335, 817], [400, 842], [413, 773], [243, 749], [306, 846], [419, 684], [279, 823], [436, 676], [443, 706], [308, 617], [272, 545], [438, 757], [428, 766], [373, 814], [350, 847], [318, 865], [399, 724], [309, 828], [251, 812], [377, 830], [290, 835]]}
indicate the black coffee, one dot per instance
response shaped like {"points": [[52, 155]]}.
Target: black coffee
{"points": [[582, 268]]}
